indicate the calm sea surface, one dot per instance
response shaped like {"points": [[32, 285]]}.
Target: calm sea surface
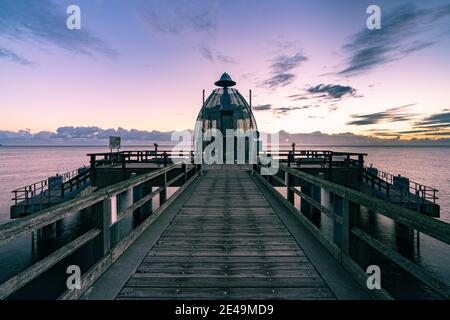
{"points": [[20, 166]]}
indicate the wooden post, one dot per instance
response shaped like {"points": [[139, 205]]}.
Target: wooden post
{"points": [[146, 209], [289, 185], [163, 193], [342, 232], [346, 226], [92, 165], [124, 171], [330, 166], [305, 206], [183, 168], [102, 220], [165, 159]]}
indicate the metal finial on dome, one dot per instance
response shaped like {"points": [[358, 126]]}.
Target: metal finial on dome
{"points": [[225, 81]]}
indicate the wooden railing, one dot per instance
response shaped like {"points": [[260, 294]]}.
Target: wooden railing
{"points": [[41, 192], [344, 214], [100, 202], [147, 156], [323, 158], [411, 192]]}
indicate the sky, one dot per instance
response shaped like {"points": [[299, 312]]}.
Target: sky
{"points": [[311, 65]]}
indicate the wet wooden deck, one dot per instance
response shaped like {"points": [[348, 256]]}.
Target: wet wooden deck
{"points": [[226, 242]]}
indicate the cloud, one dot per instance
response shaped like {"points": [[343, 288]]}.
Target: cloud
{"points": [[263, 107], [281, 70], [279, 80], [397, 38], [96, 136], [207, 53], [45, 21], [285, 63], [390, 115], [295, 97], [286, 110], [177, 16], [332, 91], [280, 110], [225, 59], [11, 56], [71, 133], [435, 121]]}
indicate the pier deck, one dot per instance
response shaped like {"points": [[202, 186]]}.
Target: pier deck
{"points": [[225, 242], [222, 231]]}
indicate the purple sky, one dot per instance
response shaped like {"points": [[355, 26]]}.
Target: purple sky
{"points": [[312, 65]]}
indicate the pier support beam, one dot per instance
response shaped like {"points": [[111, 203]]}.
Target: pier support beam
{"points": [[316, 214], [137, 195], [349, 212], [47, 233], [163, 193], [146, 209], [305, 207]]}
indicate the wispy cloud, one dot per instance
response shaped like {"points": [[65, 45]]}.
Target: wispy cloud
{"points": [[398, 37], [177, 16], [207, 53], [286, 110], [332, 91], [225, 59], [45, 21], [397, 114], [278, 80], [435, 121], [286, 63], [281, 70], [262, 107], [11, 56], [279, 111]]}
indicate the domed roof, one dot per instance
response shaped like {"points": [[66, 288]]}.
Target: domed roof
{"points": [[225, 81], [226, 108]]}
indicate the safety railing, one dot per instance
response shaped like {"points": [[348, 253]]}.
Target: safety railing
{"points": [[400, 188], [344, 214], [100, 202], [44, 192]]}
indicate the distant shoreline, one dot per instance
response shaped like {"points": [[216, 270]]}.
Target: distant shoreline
{"points": [[282, 145]]}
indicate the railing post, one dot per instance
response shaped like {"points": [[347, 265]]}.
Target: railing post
{"points": [[124, 167], [289, 185], [346, 226], [163, 193], [330, 166], [102, 220], [165, 159], [92, 165], [183, 168]]}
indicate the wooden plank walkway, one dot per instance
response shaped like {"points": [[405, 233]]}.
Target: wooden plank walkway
{"points": [[226, 243]]}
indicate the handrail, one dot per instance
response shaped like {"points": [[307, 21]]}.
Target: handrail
{"points": [[416, 189], [43, 190], [102, 221], [434, 228]]}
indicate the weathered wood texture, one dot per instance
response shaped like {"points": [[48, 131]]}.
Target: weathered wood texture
{"points": [[226, 243]]}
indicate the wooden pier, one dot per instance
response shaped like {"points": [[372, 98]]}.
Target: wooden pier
{"points": [[227, 233], [226, 242]]}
